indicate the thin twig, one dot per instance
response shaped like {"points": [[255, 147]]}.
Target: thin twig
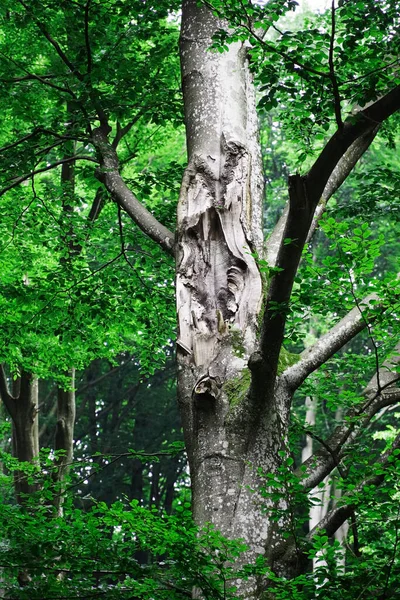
{"points": [[44, 169], [53, 42]]}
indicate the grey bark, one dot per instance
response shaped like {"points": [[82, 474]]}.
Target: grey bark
{"points": [[232, 428], [219, 287], [22, 405], [64, 437]]}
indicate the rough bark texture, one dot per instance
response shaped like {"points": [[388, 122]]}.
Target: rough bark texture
{"points": [[220, 295], [234, 398]]}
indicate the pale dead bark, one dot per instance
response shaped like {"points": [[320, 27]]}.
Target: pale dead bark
{"points": [[219, 292]]}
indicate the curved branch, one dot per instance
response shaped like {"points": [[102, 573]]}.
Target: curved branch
{"points": [[304, 195], [326, 346], [53, 42], [321, 463], [69, 159], [110, 176], [354, 127], [338, 515], [339, 174]]}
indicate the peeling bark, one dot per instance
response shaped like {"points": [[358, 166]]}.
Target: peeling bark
{"points": [[234, 403], [219, 287]]}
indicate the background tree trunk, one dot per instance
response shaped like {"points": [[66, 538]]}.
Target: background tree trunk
{"points": [[24, 414]]}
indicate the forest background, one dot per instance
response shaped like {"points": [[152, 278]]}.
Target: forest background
{"points": [[95, 486]]}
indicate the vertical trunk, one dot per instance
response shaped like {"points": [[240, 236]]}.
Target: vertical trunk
{"points": [[23, 408], [64, 437], [219, 291]]}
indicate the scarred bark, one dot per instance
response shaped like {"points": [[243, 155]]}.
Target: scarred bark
{"points": [[219, 287], [234, 403]]}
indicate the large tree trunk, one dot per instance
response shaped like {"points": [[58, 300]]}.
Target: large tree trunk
{"points": [[219, 288], [234, 399]]}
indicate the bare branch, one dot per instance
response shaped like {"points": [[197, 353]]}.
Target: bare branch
{"points": [[275, 239], [54, 43], [335, 518], [29, 77], [340, 174], [122, 131], [353, 128], [315, 356], [304, 195], [19, 180], [337, 177], [34, 133], [110, 176], [321, 463], [338, 515], [44, 80]]}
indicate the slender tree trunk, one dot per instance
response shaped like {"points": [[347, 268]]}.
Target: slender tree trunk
{"points": [[64, 438], [66, 410]]}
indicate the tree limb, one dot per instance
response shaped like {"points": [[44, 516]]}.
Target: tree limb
{"points": [[304, 195], [339, 174], [335, 518], [28, 136], [53, 42], [354, 127], [321, 463], [326, 346], [29, 77], [44, 80], [338, 515], [19, 180], [122, 131], [110, 176]]}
